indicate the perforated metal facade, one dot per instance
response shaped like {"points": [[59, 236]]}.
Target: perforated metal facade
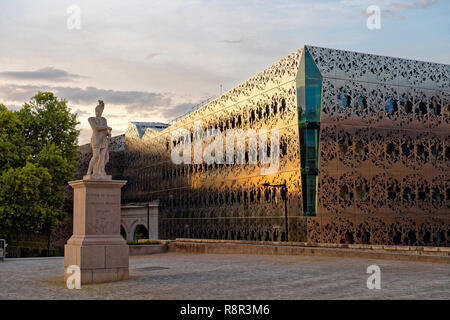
{"points": [[364, 138]]}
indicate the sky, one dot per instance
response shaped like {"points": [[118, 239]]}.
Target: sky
{"points": [[154, 60]]}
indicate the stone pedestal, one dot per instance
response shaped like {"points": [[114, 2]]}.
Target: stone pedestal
{"points": [[96, 245]]}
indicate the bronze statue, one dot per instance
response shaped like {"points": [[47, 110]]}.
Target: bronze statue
{"points": [[101, 135]]}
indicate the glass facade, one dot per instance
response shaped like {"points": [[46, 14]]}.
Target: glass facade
{"points": [[309, 92]]}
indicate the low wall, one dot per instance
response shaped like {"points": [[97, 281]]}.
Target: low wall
{"points": [[404, 253], [144, 249], [206, 246]]}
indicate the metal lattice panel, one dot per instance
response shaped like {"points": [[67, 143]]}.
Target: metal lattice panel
{"points": [[384, 154], [384, 150]]}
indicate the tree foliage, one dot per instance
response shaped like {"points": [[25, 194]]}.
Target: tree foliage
{"points": [[38, 155]]}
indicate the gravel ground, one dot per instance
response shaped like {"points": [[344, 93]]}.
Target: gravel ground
{"points": [[229, 276]]}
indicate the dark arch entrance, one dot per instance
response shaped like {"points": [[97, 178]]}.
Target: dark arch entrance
{"points": [[140, 232]]}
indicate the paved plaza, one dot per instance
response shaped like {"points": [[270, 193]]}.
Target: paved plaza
{"points": [[229, 276]]}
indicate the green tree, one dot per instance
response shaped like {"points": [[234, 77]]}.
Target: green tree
{"points": [[13, 149], [23, 197], [48, 119], [38, 156]]}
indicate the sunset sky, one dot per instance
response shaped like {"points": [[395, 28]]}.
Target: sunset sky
{"points": [[154, 60]]}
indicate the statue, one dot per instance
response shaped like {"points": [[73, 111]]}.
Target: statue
{"points": [[96, 247], [101, 134]]}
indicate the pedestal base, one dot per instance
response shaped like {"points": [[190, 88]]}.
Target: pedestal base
{"points": [[98, 263], [96, 246]]}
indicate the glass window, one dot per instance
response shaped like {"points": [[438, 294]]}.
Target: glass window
{"points": [[309, 91], [391, 105]]}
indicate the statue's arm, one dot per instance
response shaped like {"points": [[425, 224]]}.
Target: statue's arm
{"points": [[108, 128], [97, 126], [106, 125]]}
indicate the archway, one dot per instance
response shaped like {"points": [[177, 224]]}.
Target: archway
{"points": [[140, 232]]}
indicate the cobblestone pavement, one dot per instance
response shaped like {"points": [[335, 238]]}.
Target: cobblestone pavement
{"points": [[220, 276]]}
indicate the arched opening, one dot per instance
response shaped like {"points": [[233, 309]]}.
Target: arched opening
{"points": [[140, 232], [123, 233], [348, 238], [366, 238]]}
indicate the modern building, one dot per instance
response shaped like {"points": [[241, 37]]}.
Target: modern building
{"points": [[363, 148]]}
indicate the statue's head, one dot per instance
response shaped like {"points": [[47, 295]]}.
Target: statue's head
{"points": [[99, 108]]}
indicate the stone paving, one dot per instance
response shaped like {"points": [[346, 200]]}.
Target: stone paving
{"points": [[230, 276]]}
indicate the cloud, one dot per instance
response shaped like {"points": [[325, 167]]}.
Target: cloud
{"points": [[408, 4], [365, 13], [81, 113], [89, 95], [135, 103], [13, 107], [427, 3], [393, 14], [232, 41], [121, 106], [422, 4], [133, 100], [48, 73], [152, 55], [395, 7], [402, 6]]}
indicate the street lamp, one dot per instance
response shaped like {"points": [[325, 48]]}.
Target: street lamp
{"points": [[284, 196]]}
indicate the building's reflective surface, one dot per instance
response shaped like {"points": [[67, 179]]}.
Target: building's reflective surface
{"points": [[384, 150], [364, 139], [220, 200]]}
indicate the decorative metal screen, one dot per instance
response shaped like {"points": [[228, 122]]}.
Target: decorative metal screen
{"points": [[364, 139]]}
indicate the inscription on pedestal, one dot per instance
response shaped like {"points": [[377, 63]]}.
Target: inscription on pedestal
{"points": [[105, 217]]}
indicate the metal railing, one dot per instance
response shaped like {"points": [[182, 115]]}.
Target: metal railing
{"points": [[194, 108], [3, 246]]}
